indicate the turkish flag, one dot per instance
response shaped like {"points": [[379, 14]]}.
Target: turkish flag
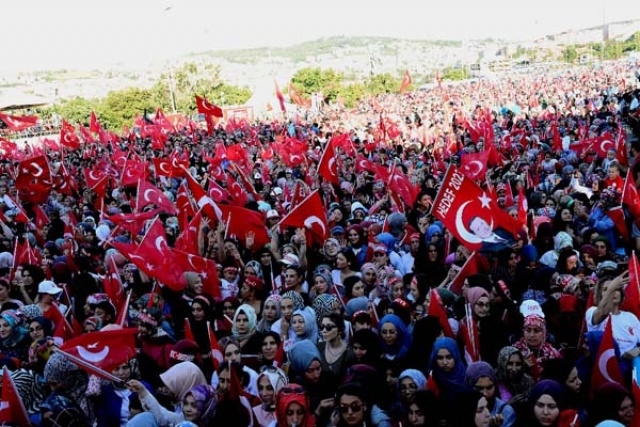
{"points": [[238, 194], [9, 148], [632, 290], [240, 221], [622, 155], [19, 123], [471, 216], [400, 185], [184, 205], [33, 171], [23, 253], [133, 222], [473, 265], [106, 349], [437, 310], [207, 108], [112, 284], [150, 194], [154, 246], [96, 180], [364, 165], [606, 368], [216, 350], [603, 144], [617, 216], [406, 81], [635, 389], [12, 409], [86, 134], [328, 168], [206, 267], [300, 191], [68, 137], [470, 337], [94, 123], [204, 202], [132, 172], [630, 196], [187, 240], [162, 167], [217, 193], [280, 97], [310, 213]]}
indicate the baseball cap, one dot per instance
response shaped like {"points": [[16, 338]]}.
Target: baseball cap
{"points": [[48, 287], [531, 308], [291, 259], [273, 214], [380, 248], [337, 230]]}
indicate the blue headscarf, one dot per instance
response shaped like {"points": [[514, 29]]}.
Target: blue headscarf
{"points": [[18, 332], [454, 381], [388, 240], [400, 346]]}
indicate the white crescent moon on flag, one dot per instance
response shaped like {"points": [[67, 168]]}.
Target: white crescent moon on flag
{"points": [[314, 219], [146, 195], [464, 233], [159, 241], [92, 175], [217, 192], [216, 354], [36, 166], [478, 165], [331, 163], [602, 363], [163, 169], [92, 357], [604, 144]]}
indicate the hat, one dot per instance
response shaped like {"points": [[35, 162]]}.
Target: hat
{"points": [[380, 248], [531, 308], [337, 230], [273, 214], [291, 260], [277, 191], [184, 351], [253, 282], [48, 287]]}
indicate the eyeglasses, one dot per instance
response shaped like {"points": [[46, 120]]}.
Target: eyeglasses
{"points": [[355, 407], [327, 328], [291, 390]]}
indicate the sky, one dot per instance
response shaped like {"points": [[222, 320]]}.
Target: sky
{"points": [[84, 34]]}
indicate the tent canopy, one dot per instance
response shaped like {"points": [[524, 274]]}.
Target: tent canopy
{"points": [[13, 99]]}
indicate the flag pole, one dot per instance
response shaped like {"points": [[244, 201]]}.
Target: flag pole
{"points": [[92, 368]]}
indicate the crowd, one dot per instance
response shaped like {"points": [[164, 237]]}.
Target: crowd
{"points": [[230, 307]]}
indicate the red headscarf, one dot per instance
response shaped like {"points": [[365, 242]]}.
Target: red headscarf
{"points": [[286, 397]]}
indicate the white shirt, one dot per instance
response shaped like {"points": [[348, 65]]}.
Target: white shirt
{"points": [[626, 328]]}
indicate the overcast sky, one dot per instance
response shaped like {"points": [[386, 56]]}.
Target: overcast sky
{"points": [[87, 33]]}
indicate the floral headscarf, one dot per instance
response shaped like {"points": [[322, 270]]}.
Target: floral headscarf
{"points": [[206, 402], [18, 332]]}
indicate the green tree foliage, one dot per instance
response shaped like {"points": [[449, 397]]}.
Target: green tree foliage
{"points": [[455, 74], [382, 83], [570, 54], [311, 80], [353, 93], [122, 106]]}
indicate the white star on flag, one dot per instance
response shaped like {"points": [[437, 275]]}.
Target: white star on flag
{"points": [[484, 200]]}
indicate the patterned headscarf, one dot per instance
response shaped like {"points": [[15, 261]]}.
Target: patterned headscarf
{"points": [[18, 332], [298, 302], [206, 402], [323, 305], [72, 380]]}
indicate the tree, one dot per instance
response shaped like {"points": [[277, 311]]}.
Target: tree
{"points": [[76, 109], [313, 80], [120, 107], [570, 54], [353, 93], [382, 83]]}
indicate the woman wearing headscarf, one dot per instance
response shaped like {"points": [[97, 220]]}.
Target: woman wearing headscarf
{"points": [[448, 370], [306, 369], [534, 346], [244, 330], [565, 373], [270, 382], [393, 337], [481, 377], [409, 382], [425, 331], [612, 401], [68, 384], [14, 337], [366, 348], [304, 325], [200, 321], [179, 379], [424, 410], [322, 284], [293, 408], [471, 410], [270, 313], [290, 302], [511, 374], [353, 407], [198, 405], [545, 406]]}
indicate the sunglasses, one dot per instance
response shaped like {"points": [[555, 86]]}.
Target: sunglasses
{"points": [[355, 407], [291, 390], [327, 328]]}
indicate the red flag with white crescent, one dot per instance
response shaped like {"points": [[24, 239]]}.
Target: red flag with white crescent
{"points": [[310, 214], [470, 214], [12, 409], [105, 349], [328, 167], [19, 123], [606, 368], [474, 165]]}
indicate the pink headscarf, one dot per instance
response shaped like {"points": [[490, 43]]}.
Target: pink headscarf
{"points": [[475, 293]]}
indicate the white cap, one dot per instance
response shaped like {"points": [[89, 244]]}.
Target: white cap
{"points": [[273, 214], [531, 308], [291, 259], [277, 191], [48, 287]]}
